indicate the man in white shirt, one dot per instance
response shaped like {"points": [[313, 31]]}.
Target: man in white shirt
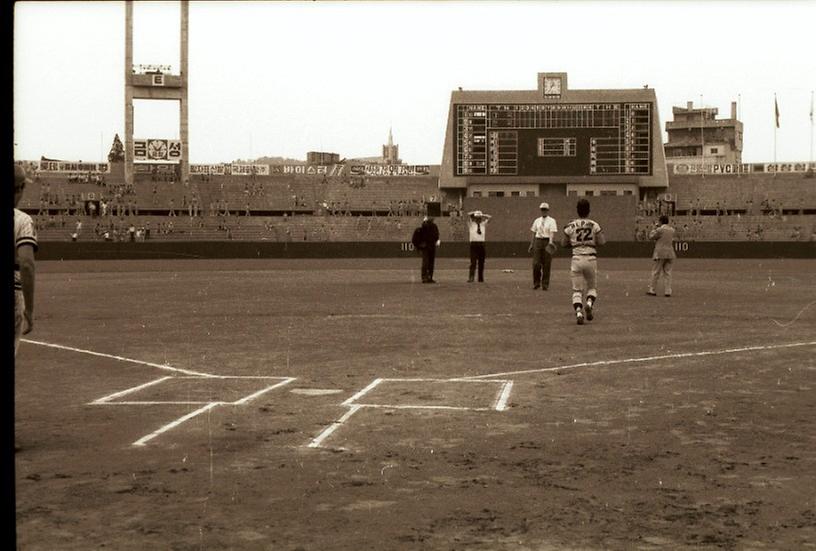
{"points": [[476, 232], [544, 229]]}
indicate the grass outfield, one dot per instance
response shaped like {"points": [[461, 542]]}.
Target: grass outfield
{"points": [[341, 404]]}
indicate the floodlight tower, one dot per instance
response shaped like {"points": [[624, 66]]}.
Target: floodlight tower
{"points": [[156, 85]]}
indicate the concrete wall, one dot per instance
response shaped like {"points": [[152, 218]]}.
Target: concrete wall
{"points": [[244, 249], [513, 216]]}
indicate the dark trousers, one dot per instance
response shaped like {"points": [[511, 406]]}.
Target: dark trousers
{"points": [[428, 258], [542, 260], [477, 256]]}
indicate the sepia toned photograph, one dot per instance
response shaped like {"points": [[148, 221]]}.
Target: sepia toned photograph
{"points": [[413, 275]]}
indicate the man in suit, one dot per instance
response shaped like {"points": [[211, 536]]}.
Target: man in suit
{"points": [[426, 240], [663, 256]]}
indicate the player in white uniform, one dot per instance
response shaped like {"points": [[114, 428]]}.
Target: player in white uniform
{"points": [[25, 244], [583, 235]]}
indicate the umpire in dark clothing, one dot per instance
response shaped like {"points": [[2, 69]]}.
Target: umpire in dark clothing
{"points": [[426, 240]]}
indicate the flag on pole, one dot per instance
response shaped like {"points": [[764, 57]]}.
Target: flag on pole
{"points": [[776, 111]]}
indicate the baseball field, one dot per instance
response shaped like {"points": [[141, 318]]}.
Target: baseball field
{"points": [[341, 404]]}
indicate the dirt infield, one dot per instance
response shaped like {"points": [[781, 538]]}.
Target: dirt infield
{"points": [[341, 404]]}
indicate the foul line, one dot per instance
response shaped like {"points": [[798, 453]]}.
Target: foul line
{"points": [[123, 359], [642, 359]]}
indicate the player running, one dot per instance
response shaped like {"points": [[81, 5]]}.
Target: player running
{"points": [[583, 235]]}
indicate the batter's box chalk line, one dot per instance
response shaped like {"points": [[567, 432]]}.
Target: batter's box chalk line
{"points": [[499, 403], [182, 374]]}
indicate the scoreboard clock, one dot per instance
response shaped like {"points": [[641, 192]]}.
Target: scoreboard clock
{"points": [[552, 87], [157, 149]]}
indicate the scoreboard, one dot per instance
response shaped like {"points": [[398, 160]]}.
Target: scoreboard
{"points": [[577, 139]]}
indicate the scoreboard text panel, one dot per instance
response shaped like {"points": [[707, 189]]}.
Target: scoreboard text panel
{"points": [[582, 139]]}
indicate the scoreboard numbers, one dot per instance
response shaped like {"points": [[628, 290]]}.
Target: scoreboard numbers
{"points": [[553, 139]]}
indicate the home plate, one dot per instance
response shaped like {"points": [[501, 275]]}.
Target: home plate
{"points": [[315, 391]]}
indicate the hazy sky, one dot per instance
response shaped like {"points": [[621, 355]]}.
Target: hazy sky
{"points": [[269, 78]]}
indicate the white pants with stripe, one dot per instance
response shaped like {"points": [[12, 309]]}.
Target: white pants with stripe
{"points": [[584, 273]]}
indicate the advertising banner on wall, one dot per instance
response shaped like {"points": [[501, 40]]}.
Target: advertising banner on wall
{"points": [[248, 170], [390, 170], [734, 168], [309, 170], [217, 169], [70, 166]]}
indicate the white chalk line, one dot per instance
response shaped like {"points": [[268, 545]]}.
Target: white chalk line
{"points": [[125, 392], [418, 406], [207, 406], [504, 395], [499, 404], [123, 359], [145, 439], [641, 359], [357, 396], [316, 442], [251, 397], [190, 374], [791, 322]]}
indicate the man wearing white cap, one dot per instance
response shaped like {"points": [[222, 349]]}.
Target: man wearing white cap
{"points": [[477, 221], [542, 246]]}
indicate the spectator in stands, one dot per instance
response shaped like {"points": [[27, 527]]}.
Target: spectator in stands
{"points": [[172, 211], [132, 232]]}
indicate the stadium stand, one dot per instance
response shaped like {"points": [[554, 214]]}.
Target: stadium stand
{"points": [[297, 207]]}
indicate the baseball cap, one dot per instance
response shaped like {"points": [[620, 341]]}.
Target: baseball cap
{"points": [[544, 206]]}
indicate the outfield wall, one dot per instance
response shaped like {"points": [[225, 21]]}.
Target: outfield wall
{"points": [[94, 250], [513, 216]]}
